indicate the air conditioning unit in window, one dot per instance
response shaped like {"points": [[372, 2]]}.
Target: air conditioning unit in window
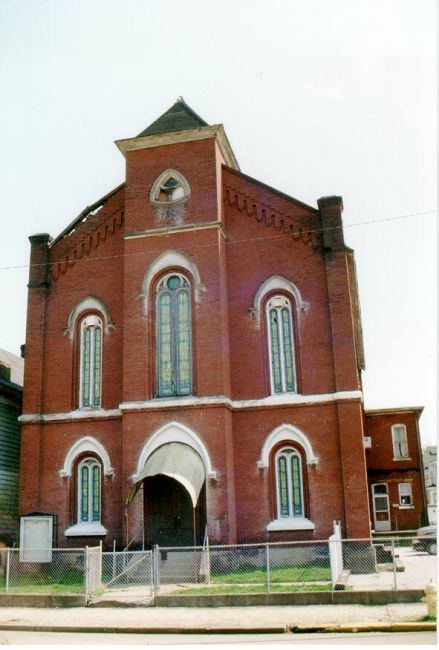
{"points": [[367, 442]]}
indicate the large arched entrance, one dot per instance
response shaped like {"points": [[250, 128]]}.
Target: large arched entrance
{"points": [[174, 487], [169, 516]]}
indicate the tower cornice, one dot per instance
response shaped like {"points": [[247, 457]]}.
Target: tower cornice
{"points": [[188, 135]]}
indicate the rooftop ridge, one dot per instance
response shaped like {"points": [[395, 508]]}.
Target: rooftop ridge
{"points": [[85, 214], [179, 117]]}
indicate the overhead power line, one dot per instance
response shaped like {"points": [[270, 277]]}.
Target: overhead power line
{"points": [[237, 241]]}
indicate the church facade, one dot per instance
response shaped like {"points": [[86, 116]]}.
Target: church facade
{"points": [[193, 358]]}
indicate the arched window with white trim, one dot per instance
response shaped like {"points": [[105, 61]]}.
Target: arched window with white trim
{"points": [[169, 188], [90, 363], [89, 491], [174, 336], [281, 345], [289, 483]]}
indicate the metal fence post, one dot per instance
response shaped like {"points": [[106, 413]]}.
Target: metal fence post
{"points": [[267, 562], [155, 556], [208, 562], [7, 571], [394, 565], [331, 560], [151, 572], [86, 570], [114, 559]]}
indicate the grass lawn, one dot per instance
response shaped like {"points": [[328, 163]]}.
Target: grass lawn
{"points": [[251, 589], [280, 574], [64, 583]]}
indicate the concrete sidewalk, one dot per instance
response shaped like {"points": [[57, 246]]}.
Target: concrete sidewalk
{"points": [[394, 617]]}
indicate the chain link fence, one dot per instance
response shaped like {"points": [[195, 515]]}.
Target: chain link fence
{"points": [[335, 564], [42, 570], [391, 563], [248, 568]]}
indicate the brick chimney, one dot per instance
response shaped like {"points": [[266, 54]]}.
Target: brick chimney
{"points": [[39, 256], [331, 208]]}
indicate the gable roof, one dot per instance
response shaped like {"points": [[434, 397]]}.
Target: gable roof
{"points": [[89, 211], [301, 204], [180, 117]]}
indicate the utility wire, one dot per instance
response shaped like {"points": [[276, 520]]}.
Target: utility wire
{"points": [[229, 241]]}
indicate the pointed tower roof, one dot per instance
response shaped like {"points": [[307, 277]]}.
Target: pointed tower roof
{"points": [[179, 124], [180, 117]]}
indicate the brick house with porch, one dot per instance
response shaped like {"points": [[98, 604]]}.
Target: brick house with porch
{"points": [[194, 357]]}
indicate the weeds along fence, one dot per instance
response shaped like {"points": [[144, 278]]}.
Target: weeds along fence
{"points": [[43, 570], [334, 564], [244, 568]]}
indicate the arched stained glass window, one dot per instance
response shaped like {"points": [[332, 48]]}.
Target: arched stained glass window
{"points": [[281, 345], [289, 485], [174, 336], [89, 491], [90, 362]]}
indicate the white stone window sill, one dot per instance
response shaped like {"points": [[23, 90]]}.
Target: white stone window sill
{"points": [[85, 529], [406, 507], [405, 458], [290, 523]]}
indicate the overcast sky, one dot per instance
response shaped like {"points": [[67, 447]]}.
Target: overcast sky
{"points": [[317, 97]]}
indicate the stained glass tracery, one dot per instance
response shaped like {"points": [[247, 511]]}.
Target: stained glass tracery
{"points": [[174, 336], [89, 497], [281, 345], [289, 483], [91, 362]]}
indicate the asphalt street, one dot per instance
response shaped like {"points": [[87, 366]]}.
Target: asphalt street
{"points": [[92, 639]]}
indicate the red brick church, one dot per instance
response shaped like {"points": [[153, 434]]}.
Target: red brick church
{"points": [[193, 363]]}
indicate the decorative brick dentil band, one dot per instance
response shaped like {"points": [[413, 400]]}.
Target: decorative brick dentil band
{"points": [[263, 213]]}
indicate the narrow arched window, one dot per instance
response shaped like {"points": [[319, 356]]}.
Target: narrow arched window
{"points": [[281, 345], [289, 484], [174, 336], [89, 491], [90, 362], [169, 188]]}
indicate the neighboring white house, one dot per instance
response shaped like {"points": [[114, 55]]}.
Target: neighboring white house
{"points": [[429, 457]]}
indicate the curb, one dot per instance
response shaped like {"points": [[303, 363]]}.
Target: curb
{"points": [[272, 629], [380, 597], [42, 600], [409, 626], [413, 626]]}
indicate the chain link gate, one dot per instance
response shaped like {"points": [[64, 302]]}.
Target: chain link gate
{"points": [[370, 564], [126, 569]]}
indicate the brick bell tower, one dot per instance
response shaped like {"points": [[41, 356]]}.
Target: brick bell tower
{"points": [[174, 222]]}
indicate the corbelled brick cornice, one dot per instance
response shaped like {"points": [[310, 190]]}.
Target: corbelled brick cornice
{"points": [[265, 214], [86, 239]]}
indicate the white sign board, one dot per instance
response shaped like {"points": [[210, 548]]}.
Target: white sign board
{"points": [[36, 539]]}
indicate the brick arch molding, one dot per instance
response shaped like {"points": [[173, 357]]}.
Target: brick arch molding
{"points": [[167, 260], [86, 304], [286, 433], [273, 283], [86, 444], [175, 432]]}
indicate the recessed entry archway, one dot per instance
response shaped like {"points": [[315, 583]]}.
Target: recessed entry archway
{"points": [[173, 477]]}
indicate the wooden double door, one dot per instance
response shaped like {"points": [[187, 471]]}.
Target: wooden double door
{"points": [[170, 519]]}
